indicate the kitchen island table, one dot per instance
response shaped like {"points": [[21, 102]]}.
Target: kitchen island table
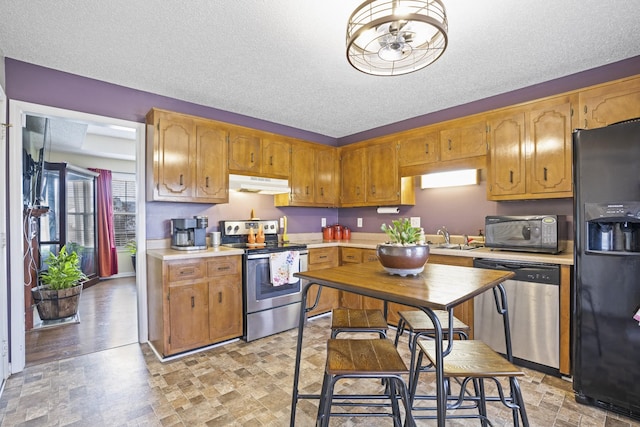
{"points": [[438, 287]]}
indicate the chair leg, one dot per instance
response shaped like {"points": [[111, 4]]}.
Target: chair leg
{"points": [[399, 332], [323, 396], [482, 402], [516, 392]]}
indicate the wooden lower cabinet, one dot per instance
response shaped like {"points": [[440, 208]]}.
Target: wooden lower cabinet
{"points": [[193, 303], [464, 311], [357, 256], [319, 259]]}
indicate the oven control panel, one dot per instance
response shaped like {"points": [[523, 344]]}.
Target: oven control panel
{"points": [[240, 228]]}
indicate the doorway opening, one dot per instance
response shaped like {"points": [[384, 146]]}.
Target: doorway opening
{"points": [[109, 309]]}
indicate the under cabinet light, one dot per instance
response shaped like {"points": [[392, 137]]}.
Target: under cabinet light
{"points": [[450, 179]]}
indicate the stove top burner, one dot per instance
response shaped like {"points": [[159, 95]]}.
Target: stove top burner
{"points": [[234, 234]]}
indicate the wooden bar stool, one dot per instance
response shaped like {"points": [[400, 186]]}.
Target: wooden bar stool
{"points": [[473, 360], [358, 320], [420, 325], [365, 359]]}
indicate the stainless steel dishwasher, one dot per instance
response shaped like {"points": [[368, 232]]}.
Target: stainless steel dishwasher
{"points": [[534, 314]]}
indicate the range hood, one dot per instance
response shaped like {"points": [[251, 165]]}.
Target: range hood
{"points": [[256, 184]]}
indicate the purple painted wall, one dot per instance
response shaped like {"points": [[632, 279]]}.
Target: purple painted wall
{"points": [[462, 209], [609, 72]]}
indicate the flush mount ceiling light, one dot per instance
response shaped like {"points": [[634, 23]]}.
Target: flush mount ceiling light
{"points": [[394, 37]]}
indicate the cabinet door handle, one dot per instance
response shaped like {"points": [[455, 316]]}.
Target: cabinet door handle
{"points": [[449, 145], [185, 272], [220, 297], [322, 256], [181, 179], [206, 184], [193, 302], [251, 157], [545, 174], [226, 267], [270, 160], [426, 148], [373, 189], [306, 190], [511, 177], [357, 191], [322, 191]]}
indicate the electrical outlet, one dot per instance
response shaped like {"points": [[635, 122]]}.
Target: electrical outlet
{"points": [[281, 222], [323, 222], [415, 221], [359, 222]]}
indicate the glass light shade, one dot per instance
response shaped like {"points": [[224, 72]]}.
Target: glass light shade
{"points": [[450, 179], [394, 37]]}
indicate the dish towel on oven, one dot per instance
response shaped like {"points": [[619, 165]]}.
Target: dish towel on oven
{"points": [[283, 266]]}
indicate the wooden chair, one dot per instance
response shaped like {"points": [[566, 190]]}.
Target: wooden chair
{"points": [[474, 361], [358, 320], [418, 324], [365, 359]]}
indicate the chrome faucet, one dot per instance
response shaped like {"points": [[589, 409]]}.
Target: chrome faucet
{"points": [[443, 232]]}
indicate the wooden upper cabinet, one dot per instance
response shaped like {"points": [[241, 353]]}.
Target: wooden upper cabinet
{"points": [[353, 173], [506, 164], [186, 159], [325, 177], [259, 154], [303, 170], [549, 154], [370, 175], [609, 103], [463, 139], [212, 180], [245, 152], [383, 179], [276, 157], [174, 159], [313, 176], [418, 148], [530, 151]]}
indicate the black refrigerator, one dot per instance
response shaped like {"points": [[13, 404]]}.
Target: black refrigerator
{"points": [[606, 331]]}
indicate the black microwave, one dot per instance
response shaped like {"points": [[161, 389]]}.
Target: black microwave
{"points": [[538, 233]]}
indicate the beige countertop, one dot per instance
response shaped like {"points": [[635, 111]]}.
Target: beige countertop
{"points": [[167, 254], [369, 241], [563, 258]]}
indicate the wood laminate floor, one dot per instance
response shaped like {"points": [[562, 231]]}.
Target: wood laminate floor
{"points": [[108, 319], [237, 384]]}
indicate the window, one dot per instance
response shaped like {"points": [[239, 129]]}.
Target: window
{"points": [[123, 191]]}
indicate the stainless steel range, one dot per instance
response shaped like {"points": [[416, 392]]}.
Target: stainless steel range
{"points": [[271, 304]]}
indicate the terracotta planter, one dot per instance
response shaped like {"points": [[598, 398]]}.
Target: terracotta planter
{"points": [[403, 260], [56, 304]]}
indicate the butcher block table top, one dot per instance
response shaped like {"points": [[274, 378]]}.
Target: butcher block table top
{"points": [[438, 287]]}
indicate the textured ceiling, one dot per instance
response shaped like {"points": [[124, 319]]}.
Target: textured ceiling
{"points": [[284, 61]]}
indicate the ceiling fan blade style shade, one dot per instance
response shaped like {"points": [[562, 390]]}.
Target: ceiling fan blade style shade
{"points": [[394, 37]]}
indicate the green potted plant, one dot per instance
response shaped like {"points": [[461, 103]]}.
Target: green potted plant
{"points": [[58, 296], [132, 247], [403, 254]]}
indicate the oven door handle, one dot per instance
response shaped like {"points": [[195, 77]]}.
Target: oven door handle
{"points": [[267, 255]]}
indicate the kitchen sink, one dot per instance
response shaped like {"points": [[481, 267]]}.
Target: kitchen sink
{"points": [[456, 246]]}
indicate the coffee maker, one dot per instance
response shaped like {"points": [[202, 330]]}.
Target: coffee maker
{"points": [[188, 234]]}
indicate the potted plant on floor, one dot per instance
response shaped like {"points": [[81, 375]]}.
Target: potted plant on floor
{"points": [[402, 254], [58, 296], [132, 248]]}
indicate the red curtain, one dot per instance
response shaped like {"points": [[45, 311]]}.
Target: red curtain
{"points": [[107, 255]]}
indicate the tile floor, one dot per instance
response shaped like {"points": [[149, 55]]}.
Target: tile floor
{"points": [[238, 384]]}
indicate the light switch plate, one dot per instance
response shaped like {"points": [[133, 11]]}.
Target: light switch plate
{"points": [[359, 222], [323, 222], [281, 222], [415, 221]]}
